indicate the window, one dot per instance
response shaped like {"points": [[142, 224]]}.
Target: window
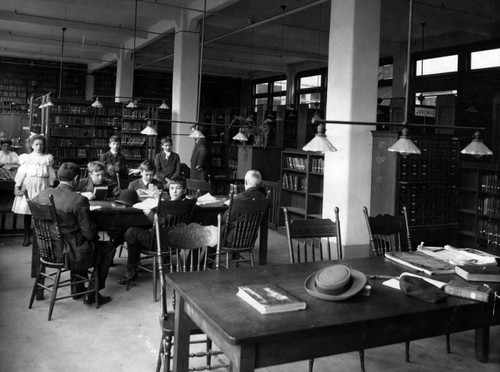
{"points": [[485, 59], [311, 88], [430, 97], [385, 72], [439, 65], [308, 82], [269, 93]]}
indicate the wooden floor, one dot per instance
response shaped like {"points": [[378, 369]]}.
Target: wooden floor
{"points": [[124, 334]]}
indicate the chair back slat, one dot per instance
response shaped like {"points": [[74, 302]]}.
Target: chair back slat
{"points": [[311, 239], [174, 212], [386, 232], [47, 233], [197, 187]]}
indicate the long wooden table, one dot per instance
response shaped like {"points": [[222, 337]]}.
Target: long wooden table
{"points": [[251, 340]]}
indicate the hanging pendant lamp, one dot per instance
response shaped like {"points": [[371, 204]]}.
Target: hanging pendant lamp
{"points": [[149, 130], [476, 148], [97, 103], [164, 106]]}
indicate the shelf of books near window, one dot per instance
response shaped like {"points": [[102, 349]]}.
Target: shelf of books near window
{"points": [[301, 184]]}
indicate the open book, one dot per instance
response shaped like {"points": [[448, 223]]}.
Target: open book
{"points": [[421, 262], [269, 298], [459, 256]]}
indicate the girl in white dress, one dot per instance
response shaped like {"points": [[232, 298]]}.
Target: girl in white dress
{"points": [[34, 175]]}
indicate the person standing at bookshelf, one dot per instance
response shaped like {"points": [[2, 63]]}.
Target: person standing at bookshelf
{"points": [[167, 162], [200, 157], [114, 160], [34, 175]]}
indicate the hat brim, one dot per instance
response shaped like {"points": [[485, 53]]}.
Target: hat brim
{"points": [[124, 202], [358, 283]]}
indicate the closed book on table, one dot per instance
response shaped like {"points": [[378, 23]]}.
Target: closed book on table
{"points": [[478, 273], [478, 292], [269, 298]]}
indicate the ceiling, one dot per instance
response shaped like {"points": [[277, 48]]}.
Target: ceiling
{"points": [[242, 38]]}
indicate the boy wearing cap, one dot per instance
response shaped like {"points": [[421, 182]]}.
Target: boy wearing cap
{"points": [[139, 239]]}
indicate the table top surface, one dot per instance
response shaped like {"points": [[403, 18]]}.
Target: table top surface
{"points": [[213, 294]]}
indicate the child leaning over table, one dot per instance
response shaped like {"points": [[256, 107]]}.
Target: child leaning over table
{"points": [[147, 185], [139, 239], [97, 172]]}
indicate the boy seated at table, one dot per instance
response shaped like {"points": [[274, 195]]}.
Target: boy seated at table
{"points": [[139, 239], [147, 185], [96, 172]]}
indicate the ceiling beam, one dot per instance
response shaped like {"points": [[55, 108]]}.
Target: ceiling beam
{"points": [[68, 23]]}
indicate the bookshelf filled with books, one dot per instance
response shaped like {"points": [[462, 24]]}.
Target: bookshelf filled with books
{"points": [[78, 132], [302, 184], [427, 184], [479, 212]]}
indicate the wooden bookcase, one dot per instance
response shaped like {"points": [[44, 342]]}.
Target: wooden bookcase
{"points": [[80, 133], [301, 184], [479, 208], [427, 184]]}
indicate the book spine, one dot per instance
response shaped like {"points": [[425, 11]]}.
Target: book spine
{"points": [[468, 293]]}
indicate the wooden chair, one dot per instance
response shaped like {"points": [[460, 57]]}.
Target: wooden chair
{"points": [[171, 213], [241, 228], [188, 247], [50, 248], [197, 187], [388, 233], [392, 233], [311, 240]]}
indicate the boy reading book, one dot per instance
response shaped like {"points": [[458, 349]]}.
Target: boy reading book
{"points": [[95, 184], [146, 186]]}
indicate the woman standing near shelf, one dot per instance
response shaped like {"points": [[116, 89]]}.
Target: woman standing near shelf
{"points": [[34, 175], [167, 162]]}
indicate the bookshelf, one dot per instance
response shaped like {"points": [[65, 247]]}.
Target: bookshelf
{"points": [[80, 133], [427, 184], [301, 184], [479, 208]]}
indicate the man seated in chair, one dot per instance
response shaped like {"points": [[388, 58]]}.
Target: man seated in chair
{"points": [[253, 190], [78, 230], [139, 239]]}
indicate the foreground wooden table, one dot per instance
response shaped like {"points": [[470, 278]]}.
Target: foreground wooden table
{"points": [[251, 340]]}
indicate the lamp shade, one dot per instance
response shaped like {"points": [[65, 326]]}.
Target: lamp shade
{"points": [[404, 145], [149, 130], [164, 106], [97, 103], [476, 148], [132, 105], [240, 137], [196, 134], [320, 142]]}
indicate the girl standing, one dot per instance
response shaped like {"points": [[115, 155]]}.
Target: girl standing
{"points": [[34, 175]]}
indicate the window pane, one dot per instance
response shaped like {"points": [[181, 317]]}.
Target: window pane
{"points": [[310, 82], [430, 97], [438, 65], [279, 86], [385, 72], [260, 101], [261, 88], [485, 59], [310, 98], [280, 100]]}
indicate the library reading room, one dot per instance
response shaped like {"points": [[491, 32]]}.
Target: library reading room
{"points": [[242, 185]]}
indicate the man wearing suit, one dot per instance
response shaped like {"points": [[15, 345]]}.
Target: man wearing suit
{"points": [[78, 230]]}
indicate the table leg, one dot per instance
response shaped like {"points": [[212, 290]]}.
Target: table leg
{"points": [[482, 344], [263, 240], [181, 336], [245, 361]]}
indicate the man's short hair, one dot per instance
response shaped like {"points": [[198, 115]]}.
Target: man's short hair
{"points": [[95, 166], [166, 140], [68, 171], [114, 139], [253, 178], [178, 181], [147, 166]]}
